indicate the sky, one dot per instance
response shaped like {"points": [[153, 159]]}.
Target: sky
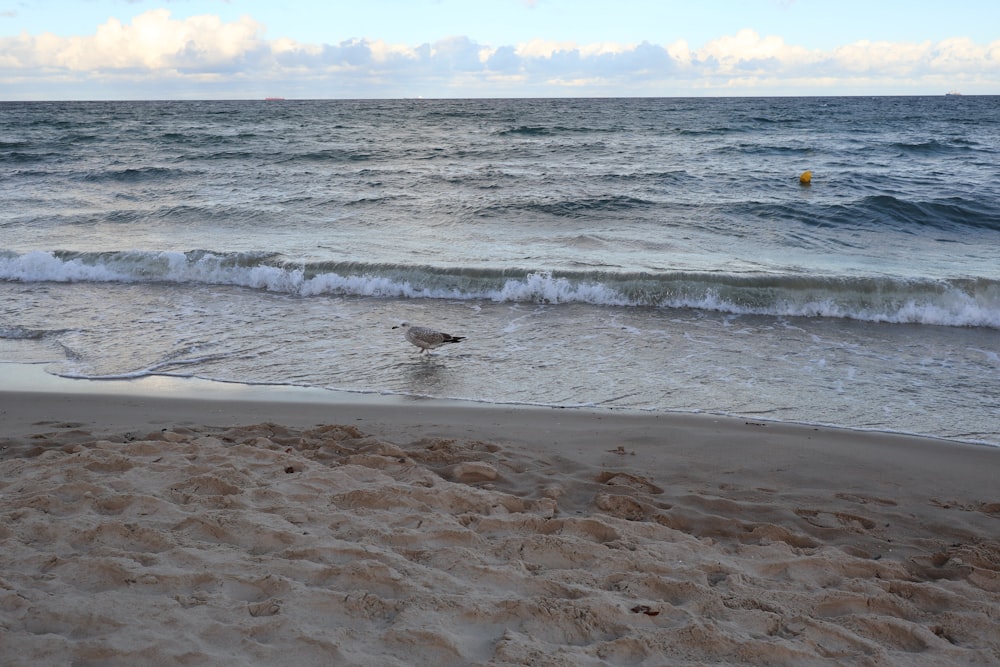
{"points": [[249, 49]]}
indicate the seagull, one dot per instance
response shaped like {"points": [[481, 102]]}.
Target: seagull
{"points": [[425, 338]]}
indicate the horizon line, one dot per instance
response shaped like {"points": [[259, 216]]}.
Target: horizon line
{"points": [[277, 99]]}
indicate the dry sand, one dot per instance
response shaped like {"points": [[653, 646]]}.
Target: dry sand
{"points": [[184, 531]]}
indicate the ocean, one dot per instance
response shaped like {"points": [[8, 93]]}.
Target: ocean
{"points": [[657, 255]]}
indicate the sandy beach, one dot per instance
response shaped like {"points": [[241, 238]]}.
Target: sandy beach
{"points": [[210, 527]]}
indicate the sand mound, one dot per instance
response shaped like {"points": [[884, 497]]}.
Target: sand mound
{"points": [[269, 545]]}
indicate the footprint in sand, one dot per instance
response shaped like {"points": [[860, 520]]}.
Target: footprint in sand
{"points": [[864, 500], [628, 480], [824, 519]]}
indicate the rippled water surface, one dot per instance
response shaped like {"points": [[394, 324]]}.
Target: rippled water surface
{"points": [[657, 254]]}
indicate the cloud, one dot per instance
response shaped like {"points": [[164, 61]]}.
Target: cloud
{"points": [[504, 59], [952, 57], [235, 59], [746, 50], [153, 41]]}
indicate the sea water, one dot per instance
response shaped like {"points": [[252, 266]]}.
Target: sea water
{"points": [[646, 254]]}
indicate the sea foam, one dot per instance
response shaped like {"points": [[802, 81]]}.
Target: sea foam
{"points": [[966, 303]]}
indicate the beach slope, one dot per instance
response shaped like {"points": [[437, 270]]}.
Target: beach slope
{"points": [[170, 530]]}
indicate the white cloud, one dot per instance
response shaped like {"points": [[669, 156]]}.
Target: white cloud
{"points": [[889, 58], [540, 48], [383, 52], [958, 55], [237, 59], [152, 41], [605, 49], [680, 52]]}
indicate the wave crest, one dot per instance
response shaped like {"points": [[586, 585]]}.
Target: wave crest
{"points": [[967, 303]]}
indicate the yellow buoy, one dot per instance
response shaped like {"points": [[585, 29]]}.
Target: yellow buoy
{"points": [[806, 178]]}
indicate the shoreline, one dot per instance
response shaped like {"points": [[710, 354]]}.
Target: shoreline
{"points": [[261, 527], [114, 407], [32, 378]]}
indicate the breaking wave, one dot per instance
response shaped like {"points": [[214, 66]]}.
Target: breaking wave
{"points": [[959, 303]]}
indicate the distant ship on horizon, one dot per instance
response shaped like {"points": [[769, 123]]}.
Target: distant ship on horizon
{"points": [[273, 99], [953, 93]]}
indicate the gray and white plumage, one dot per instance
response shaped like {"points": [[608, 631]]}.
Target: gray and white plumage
{"points": [[426, 338]]}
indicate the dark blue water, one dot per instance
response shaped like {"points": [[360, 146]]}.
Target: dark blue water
{"points": [[655, 254]]}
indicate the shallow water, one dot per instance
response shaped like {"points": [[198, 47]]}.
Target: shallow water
{"points": [[842, 372]]}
